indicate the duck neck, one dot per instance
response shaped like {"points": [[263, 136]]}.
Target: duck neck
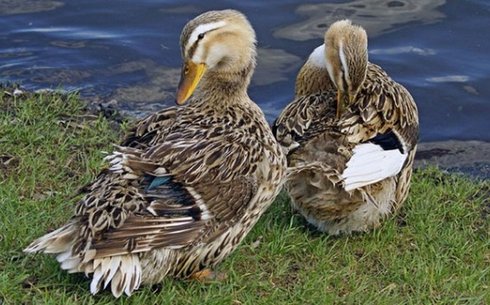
{"points": [[223, 87]]}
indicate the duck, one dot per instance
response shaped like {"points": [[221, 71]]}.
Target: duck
{"points": [[350, 136], [188, 183]]}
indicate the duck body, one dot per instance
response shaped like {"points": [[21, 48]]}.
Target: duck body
{"points": [[349, 172], [186, 185]]}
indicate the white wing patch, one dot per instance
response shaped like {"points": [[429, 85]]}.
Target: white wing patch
{"points": [[329, 66], [370, 163], [317, 57]]}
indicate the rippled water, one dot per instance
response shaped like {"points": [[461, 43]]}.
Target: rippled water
{"points": [[128, 51]]}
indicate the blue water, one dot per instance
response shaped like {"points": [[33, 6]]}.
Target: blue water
{"points": [[128, 51]]}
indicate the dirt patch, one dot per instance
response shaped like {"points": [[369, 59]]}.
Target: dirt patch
{"points": [[8, 164], [468, 157], [29, 282]]}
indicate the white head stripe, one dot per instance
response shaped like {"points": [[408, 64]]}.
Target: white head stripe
{"points": [[203, 28], [328, 64], [317, 57], [342, 60]]}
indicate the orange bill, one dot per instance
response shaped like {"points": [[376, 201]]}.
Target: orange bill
{"points": [[189, 78]]}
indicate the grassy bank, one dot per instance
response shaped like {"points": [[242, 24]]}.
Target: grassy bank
{"points": [[435, 251]]}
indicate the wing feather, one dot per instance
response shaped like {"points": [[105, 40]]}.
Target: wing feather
{"points": [[370, 163]]}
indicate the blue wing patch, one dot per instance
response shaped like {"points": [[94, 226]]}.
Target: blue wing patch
{"points": [[158, 181], [169, 194]]}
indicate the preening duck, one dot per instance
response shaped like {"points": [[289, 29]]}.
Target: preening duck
{"points": [[350, 135], [188, 183]]}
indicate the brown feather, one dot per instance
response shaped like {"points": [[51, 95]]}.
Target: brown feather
{"points": [[186, 185], [319, 145]]}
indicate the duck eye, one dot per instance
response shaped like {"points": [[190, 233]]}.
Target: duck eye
{"points": [[200, 36]]}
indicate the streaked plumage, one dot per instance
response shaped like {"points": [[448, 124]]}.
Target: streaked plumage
{"points": [[350, 135], [188, 183]]}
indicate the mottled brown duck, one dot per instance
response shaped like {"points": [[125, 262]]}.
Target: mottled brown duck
{"points": [[350, 136], [188, 183]]}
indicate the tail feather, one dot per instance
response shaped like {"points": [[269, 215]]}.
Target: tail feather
{"points": [[58, 241], [122, 271], [114, 266], [72, 264]]}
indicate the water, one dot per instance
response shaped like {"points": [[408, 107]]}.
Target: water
{"points": [[128, 51]]}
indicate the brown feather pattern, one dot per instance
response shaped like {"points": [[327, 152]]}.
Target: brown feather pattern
{"points": [[185, 186], [319, 147]]}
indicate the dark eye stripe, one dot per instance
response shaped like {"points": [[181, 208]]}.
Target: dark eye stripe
{"points": [[193, 48], [344, 82]]}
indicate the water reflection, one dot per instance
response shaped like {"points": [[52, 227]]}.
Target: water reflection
{"points": [[153, 85], [48, 75], [14, 7], [69, 44], [449, 79], [376, 16], [160, 81], [471, 90], [274, 65], [181, 9], [403, 50], [73, 32]]}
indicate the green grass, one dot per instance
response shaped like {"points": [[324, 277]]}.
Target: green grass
{"points": [[436, 251]]}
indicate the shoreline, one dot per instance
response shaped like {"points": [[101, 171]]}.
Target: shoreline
{"points": [[468, 157]]}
